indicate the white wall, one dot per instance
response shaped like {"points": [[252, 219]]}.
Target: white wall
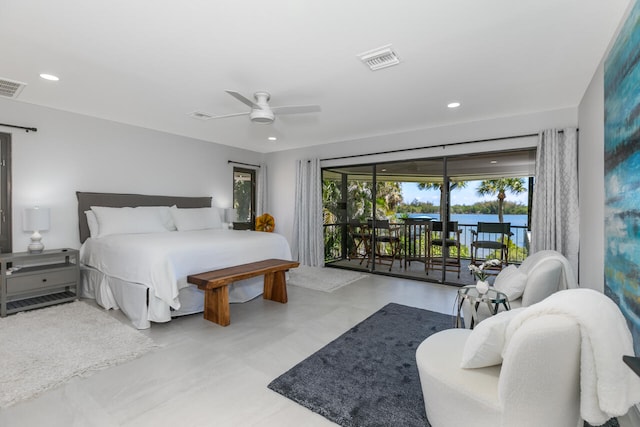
{"points": [[72, 152], [282, 165], [591, 179]]}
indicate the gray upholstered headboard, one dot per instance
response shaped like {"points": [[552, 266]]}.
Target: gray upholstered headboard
{"points": [[115, 200]]}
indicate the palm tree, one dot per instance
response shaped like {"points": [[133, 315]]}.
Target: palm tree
{"points": [[501, 187], [438, 186]]}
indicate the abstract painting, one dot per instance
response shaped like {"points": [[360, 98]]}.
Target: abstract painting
{"points": [[622, 172]]}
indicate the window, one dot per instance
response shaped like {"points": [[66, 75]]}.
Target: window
{"points": [[244, 195], [413, 194], [5, 192]]}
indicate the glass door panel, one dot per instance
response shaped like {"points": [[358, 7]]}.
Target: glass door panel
{"points": [[348, 207], [492, 188], [409, 198]]}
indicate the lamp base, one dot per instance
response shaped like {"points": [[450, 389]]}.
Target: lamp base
{"points": [[36, 246]]}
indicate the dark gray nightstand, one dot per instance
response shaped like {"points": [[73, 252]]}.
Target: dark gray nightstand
{"points": [[37, 280]]}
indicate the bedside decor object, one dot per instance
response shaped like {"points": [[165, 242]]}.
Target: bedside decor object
{"points": [[230, 216], [35, 219], [265, 222]]}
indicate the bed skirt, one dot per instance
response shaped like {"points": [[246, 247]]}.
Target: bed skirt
{"points": [[131, 298]]}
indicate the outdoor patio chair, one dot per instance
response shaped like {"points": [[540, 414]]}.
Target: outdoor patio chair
{"points": [[387, 242], [359, 235], [438, 245], [493, 236]]}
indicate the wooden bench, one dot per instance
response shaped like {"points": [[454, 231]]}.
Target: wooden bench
{"points": [[215, 285]]}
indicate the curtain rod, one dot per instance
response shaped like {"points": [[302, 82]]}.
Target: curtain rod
{"points": [[243, 164], [26, 129]]}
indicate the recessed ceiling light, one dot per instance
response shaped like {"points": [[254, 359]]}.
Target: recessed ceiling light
{"points": [[49, 77], [453, 105], [272, 138], [493, 162]]}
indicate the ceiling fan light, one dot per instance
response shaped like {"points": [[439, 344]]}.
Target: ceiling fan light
{"points": [[264, 116]]}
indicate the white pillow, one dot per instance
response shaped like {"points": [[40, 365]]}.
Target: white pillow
{"points": [[128, 220], [165, 215], [511, 282], [196, 218], [92, 222], [485, 343]]}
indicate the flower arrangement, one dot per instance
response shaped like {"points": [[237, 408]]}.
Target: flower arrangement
{"points": [[265, 222], [480, 272]]}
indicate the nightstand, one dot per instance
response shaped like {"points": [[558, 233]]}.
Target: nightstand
{"points": [[37, 280]]}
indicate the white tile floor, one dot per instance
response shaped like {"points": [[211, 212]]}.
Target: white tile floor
{"points": [[206, 375]]}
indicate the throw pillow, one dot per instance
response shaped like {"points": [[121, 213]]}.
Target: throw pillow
{"points": [[196, 218], [484, 345], [511, 282], [92, 222], [127, 220]]}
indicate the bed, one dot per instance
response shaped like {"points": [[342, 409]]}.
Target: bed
{"points": [[137, 251]]}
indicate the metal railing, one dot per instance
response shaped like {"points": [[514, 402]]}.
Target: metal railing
{"points": [[338, 244]]}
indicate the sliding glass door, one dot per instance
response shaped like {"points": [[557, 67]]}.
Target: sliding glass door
{"points": [[416, 218]]}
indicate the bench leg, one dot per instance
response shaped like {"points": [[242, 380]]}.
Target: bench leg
{"points": [[275, 287], [216, 306]]}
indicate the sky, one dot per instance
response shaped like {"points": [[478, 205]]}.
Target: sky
{"points": [[463, 196]]}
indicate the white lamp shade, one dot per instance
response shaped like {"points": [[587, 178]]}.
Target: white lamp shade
{"points": [[230, 215], [35, 219]]}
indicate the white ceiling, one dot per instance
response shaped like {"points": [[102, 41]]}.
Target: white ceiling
{"points": [[151, 62]]}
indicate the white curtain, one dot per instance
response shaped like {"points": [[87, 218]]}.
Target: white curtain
{"points": [[308, 245], [555, 217], [261, 196]]}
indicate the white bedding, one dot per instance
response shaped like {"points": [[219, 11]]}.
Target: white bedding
{"points": [[162, 261]]}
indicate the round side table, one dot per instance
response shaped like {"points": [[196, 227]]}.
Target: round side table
{"points": [[492, 298]]}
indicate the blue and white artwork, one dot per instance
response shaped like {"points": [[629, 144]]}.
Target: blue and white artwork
{"points": [[622, 172]]}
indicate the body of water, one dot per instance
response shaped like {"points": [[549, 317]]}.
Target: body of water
{"points": [[519, 234], [472, 219]]}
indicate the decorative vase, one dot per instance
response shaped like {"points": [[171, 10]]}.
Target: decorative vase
{"points": [[482, 286]]}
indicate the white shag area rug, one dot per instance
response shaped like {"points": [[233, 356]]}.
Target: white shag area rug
{"points": [[44, 348], [322, 278]]}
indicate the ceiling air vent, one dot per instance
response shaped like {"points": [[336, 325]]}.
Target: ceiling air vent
{"points": [[381, 57], [10, 88], [200, 115]]}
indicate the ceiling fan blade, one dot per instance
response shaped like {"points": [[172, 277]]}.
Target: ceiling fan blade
{"points": [[296, 109], [243, 99], [229, 115]]}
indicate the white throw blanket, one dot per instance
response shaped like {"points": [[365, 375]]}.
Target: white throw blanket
{"points": [[608, 388]]}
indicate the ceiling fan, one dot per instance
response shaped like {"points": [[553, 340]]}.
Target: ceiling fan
{"points": [[261, 112]]}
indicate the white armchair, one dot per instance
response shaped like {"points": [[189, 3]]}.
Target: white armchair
{"points": [[536, 385], [549, 364], [540, 275]]}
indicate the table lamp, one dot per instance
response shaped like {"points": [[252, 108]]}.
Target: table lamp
{"points": [[35, 219], [230, 216]]}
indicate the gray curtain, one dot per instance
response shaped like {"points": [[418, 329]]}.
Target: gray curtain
{"points": [[308, 245], [261, 196], [555, 217]]}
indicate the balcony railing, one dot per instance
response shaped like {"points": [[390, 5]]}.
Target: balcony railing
{"points": [[338, 245]]}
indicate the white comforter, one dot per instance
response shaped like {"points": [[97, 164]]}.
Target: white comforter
{"points": [[162, 261]]}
